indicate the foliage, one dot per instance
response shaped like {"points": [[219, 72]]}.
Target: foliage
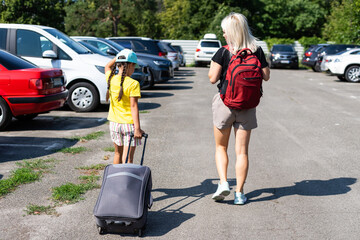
{"points": [[343, 24], [335, 20], [39, 12], [90, 136], [29, 171], [306, 42], [33, 209], [71, 193], [73, 150], [271, 41]]}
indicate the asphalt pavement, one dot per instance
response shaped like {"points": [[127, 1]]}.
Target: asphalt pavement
{"points": [[302, 182]]}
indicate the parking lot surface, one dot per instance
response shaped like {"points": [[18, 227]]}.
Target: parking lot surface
{"points": [[302, 182]]}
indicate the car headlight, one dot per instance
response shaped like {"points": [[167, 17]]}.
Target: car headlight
{"points": [[100, 68], [337, 60], [164, 63]]}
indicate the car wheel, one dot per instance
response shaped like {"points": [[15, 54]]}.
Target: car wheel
{"points": [[26, 117], [317, 68], [150, 83], [352, 74], [5, 114], [197, 64], [83, 97]]}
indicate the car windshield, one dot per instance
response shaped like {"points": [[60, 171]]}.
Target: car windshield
{"points": [[114, 44], [12, 62], [178, 48], [283, 48], [167, 47], [68, 41], [92, 48], [210, 44]]}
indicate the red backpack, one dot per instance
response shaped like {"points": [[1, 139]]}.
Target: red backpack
{"points": [[242, 86]]}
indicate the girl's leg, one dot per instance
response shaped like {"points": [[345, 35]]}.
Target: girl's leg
{"points": [[221, 157], [242, 139], [131, 154], [118, 153]]}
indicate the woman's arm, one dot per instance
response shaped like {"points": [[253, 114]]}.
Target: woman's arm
{"points": [[266, 73], [214, 72], [109, 65], [135, 115]]}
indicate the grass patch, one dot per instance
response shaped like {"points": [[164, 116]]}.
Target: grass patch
{"points": [[73, 150], [37, 210], [72, 193], [144, 111], [29, 171], [99, 166], [91, 136], [109, 149], [89, 178]]}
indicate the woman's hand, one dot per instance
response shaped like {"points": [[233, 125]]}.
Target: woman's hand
{"points": [[138, 133]]}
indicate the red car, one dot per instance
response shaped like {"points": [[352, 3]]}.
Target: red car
{"points": [[26, 90]]}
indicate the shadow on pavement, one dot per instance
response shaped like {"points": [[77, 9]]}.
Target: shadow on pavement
{"points": [[315, 188], [56, 123], [19, 148], [170, 217]]}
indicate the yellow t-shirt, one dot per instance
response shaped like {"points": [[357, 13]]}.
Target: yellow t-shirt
{"points": [[120, 111]]}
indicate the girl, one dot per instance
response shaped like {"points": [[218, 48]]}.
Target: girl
{"points": [[123, 93], [238, 36]]}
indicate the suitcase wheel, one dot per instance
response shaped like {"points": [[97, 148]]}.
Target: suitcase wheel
{"points": [[140, 232]]}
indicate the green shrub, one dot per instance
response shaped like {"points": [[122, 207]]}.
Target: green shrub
{"points": [[271, 41], [306, 42]]}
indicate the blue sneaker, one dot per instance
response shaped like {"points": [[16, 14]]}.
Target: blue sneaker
{"points": [[222, 191], [240, 198]]}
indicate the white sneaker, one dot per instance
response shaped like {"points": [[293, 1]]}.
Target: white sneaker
{"points": [[222, 191], [240, 198]]}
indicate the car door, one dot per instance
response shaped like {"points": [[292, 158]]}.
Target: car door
{"points": [[31, 45]]}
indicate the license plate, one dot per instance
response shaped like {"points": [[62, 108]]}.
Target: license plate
{"points": [[209, 52], [285, 61], [57, 82]]}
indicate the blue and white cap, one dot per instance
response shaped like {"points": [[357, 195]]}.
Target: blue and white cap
{"points": [[126, 55]]}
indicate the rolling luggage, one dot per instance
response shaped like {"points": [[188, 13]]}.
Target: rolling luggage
{"points": [[124, 198]]}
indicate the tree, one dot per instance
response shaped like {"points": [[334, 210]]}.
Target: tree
{"points": [[41, 12], [343, 25]]}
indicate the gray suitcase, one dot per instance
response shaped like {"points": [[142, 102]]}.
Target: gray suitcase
{"points": [[124, 198]]}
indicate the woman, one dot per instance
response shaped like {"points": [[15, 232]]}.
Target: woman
{"points": [[238, 36]]}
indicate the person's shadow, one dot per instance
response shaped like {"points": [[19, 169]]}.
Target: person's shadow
{"points": [[329, 187]]}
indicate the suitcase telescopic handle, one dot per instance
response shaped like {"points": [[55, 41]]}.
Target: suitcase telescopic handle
{"points": [[143, 152]]}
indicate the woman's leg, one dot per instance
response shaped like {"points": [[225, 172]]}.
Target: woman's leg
{"points": [[221, 157], [131, 154], [242, 139], [118, 153]]}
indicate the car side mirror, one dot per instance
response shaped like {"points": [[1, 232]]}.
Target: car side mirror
{"points": [[49, 54], [111, 51]]}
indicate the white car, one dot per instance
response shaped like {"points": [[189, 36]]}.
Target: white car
{"points": [[329, 59], [47, 47], [206, 49], [346, 66]]}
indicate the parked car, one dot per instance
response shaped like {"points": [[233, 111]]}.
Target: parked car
{"points": [[172, 54], [140, 45], [310, 56], [283, 55], [47, 47], [206, 49], [141, 73], [329, 59], [181, 55], [160, 68], [346, 66], [331, 50], [26, 90]]}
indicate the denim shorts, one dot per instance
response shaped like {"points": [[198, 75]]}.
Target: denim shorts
{"points": [[224, 117], [120, 134]]}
